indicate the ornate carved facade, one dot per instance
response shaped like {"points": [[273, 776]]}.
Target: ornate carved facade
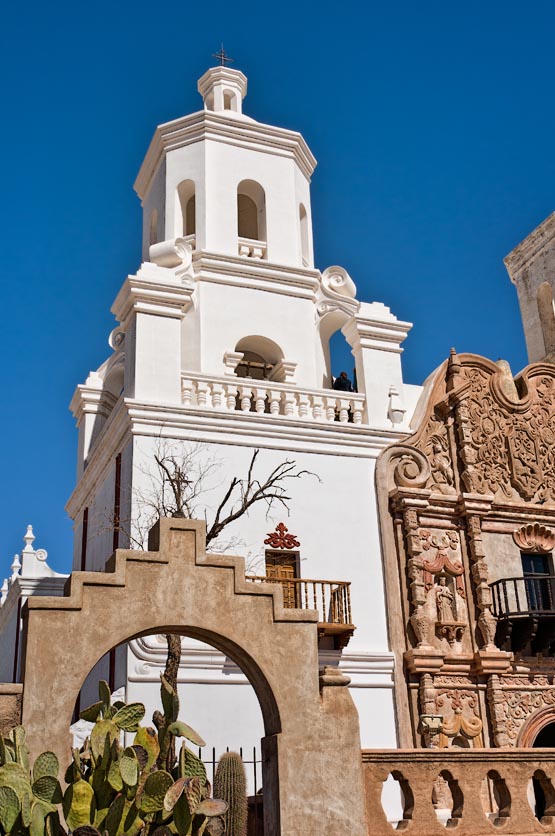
{"points": [[467, 506]]}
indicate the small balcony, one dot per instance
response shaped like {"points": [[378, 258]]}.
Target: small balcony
{"points": [[525, 612], [331, 599]]}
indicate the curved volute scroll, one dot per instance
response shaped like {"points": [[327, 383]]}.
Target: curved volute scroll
{"points": [[412, 469], [337, 293]]}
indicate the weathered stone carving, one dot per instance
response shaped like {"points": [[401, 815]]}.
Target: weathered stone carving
{"points": [[534, 538], [487, 623], [441, 561], [480, 467], [514, 700], [459, 709]]}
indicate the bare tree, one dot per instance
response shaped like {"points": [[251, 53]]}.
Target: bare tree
{"points": [[180, 478]]}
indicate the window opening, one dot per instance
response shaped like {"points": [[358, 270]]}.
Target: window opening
{"points": [[539, 590], [84, 537], [247, 217], [117, 503], [190, 216]]}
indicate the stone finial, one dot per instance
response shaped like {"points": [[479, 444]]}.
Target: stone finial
{"points": [[453, 370], [15, 567], [4, 591], [29, 539]]}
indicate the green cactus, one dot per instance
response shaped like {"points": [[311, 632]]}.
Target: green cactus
{"points": [[10, 808], [111, 789], [230, 784]]}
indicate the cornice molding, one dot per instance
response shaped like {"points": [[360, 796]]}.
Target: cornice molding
{"points": [[387, 334], [153, 290], [134, 418], [262, 275], [206, 125], [371, 669]]}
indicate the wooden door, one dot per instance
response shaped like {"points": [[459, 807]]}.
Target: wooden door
{"points": [[285, 567]]}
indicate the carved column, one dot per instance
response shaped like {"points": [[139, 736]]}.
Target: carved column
{"points": [[496, 702]]}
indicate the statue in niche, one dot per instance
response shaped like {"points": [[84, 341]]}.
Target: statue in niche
{"points": [[444, 602], [441, 464]]}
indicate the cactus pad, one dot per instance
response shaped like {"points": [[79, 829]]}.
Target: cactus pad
{"points": [[9, 808], [154, 791], [46, 764], [129, 717], [180, 729], [78, 804]]}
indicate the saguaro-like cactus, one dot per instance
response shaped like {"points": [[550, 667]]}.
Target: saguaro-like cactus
{"points": [[230, 784]]}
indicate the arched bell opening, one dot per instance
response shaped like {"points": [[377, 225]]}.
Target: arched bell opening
{"points": [[261, 358], [185, 221], [251, 219], [336, 350]]}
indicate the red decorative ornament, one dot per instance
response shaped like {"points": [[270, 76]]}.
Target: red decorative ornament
{"points": [[281, 539]]}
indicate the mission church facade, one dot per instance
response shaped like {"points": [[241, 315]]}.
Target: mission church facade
{"points": [[432, 577], [222, 348]]}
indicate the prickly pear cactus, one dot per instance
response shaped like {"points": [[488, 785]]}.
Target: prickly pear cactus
{"points": [[230, 784], [111, 789]]}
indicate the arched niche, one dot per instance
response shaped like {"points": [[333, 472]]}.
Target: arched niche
{"points": [[230, 100], [185, 209], [261, 357], [251, 211], [546, 312], [312, 735]]}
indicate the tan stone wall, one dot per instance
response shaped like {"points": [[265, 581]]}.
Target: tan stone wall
{"points": [[312, 772], [10, 706]]}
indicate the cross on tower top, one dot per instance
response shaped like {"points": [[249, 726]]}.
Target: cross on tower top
{"points": [[222, 57]]}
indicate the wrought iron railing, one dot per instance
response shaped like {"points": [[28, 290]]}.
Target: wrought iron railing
{"points": [[331, 599], [526, 595]]}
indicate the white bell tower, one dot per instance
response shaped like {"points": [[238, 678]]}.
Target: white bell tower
{"points": [[227, 183]]}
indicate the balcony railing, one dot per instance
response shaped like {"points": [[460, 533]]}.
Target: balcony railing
{"points": [[331, 599], [265, 397], [525, 610], [476, 791]]}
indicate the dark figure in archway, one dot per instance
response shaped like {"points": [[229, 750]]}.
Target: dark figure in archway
{"points": [[342, 383]]}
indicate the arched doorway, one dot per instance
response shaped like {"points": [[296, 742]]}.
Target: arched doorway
{"points": [[312, 738]]}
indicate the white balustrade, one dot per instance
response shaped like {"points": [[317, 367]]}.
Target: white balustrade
{"points": [[249, 248], [259, 397]]}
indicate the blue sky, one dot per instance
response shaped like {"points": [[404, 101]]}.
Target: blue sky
{"points": [[433, 127]]}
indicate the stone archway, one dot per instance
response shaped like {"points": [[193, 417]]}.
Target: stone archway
{"points": [[313, 775], [534, 726]]}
